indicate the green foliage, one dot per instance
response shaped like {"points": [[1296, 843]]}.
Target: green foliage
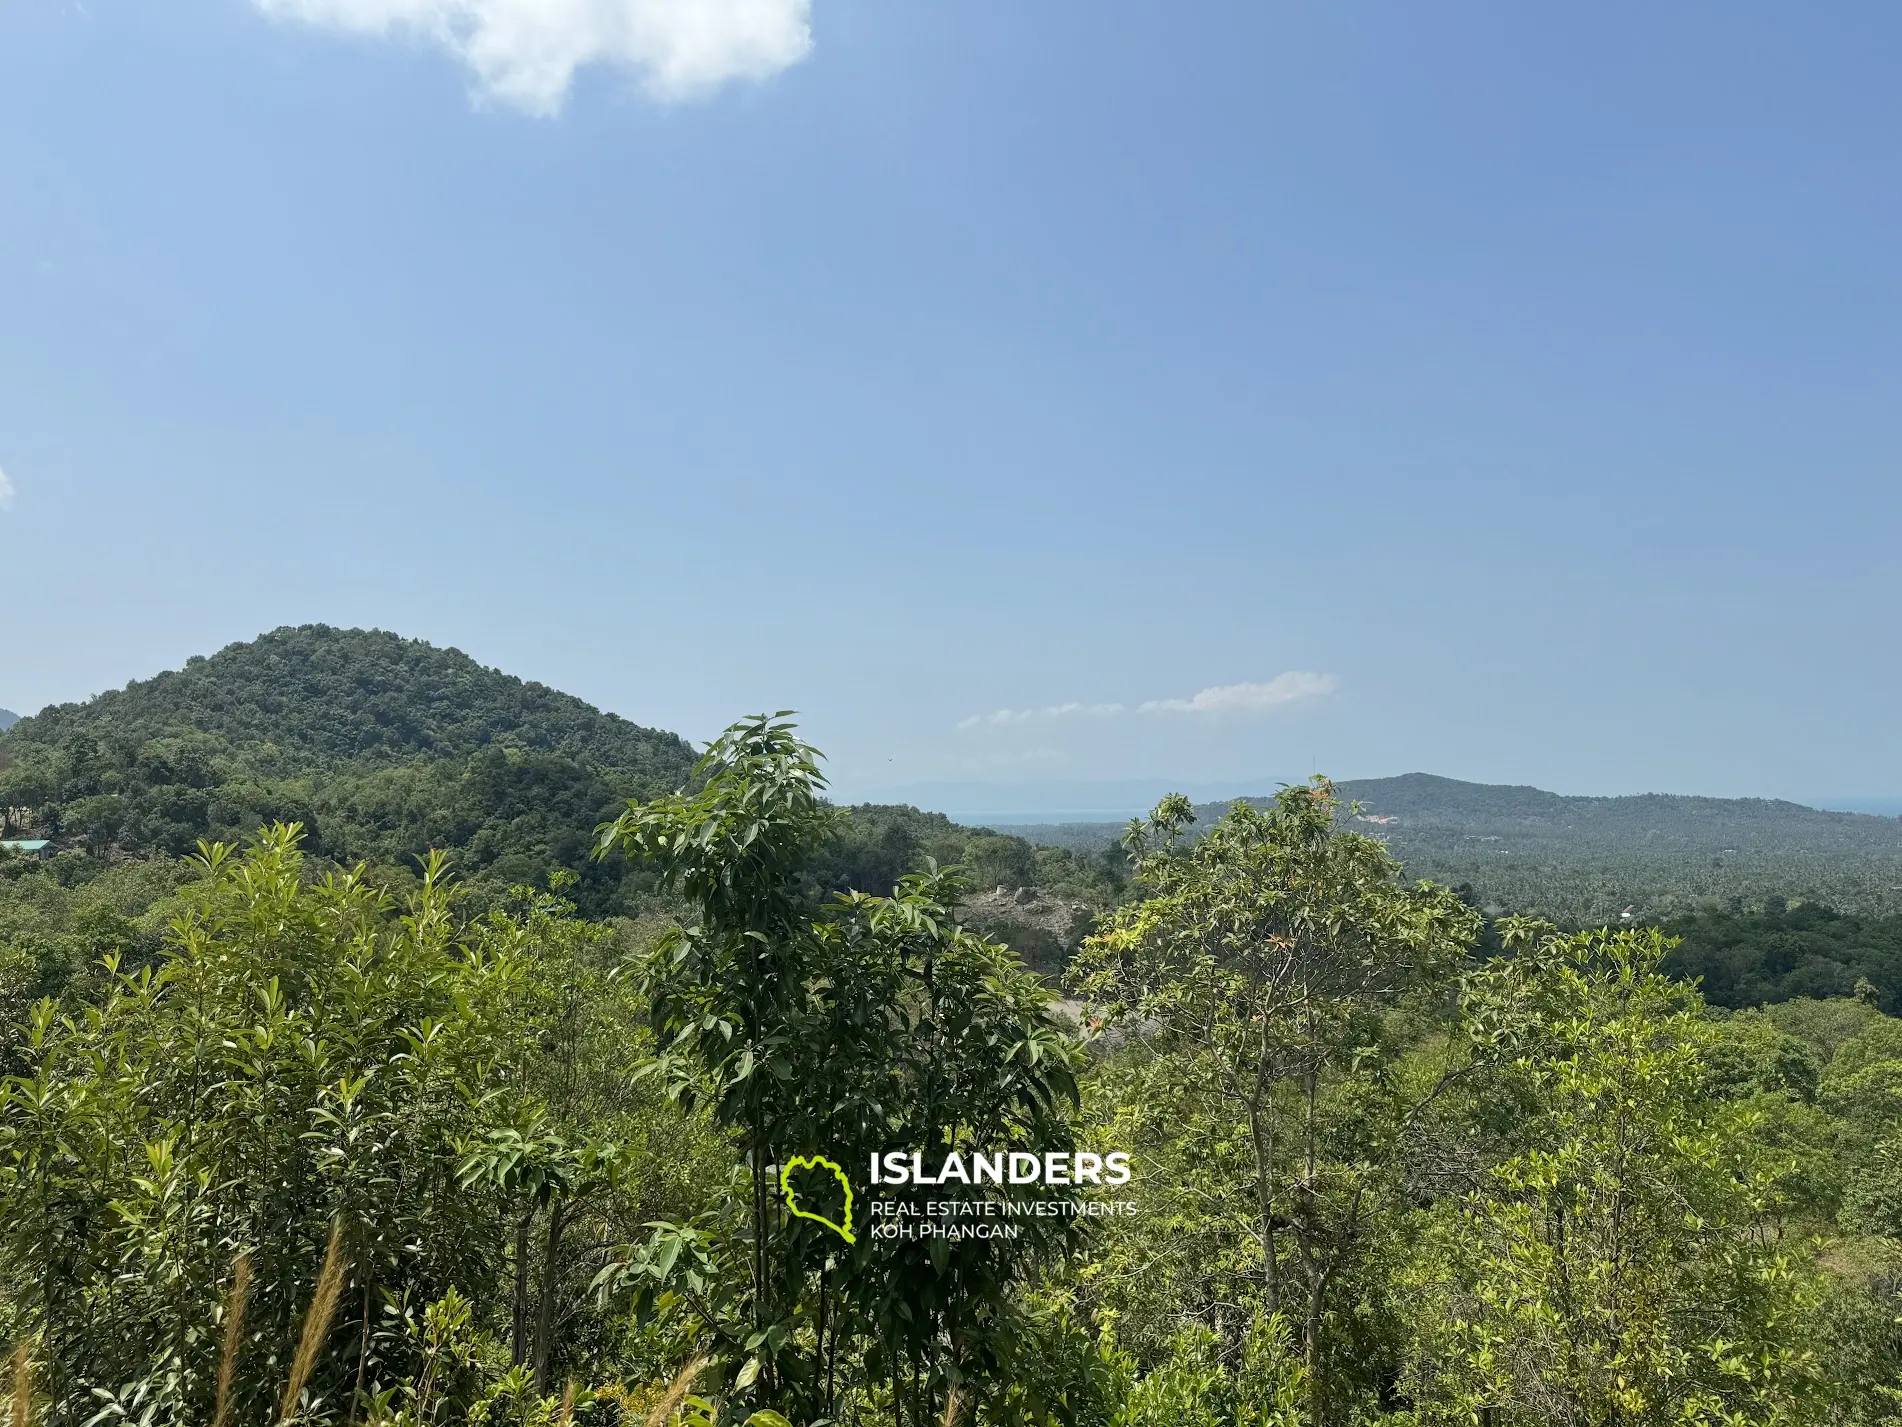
{"points": [[1622, 1264], [874, 845], [1193, 1385], [59, 918], [303, 1059], [364, 1147], [1188, 1388], [383, 747], [1781, 953], [291, 1063], [1572, 1194], [1825, 1026], [1273, 950], [843, 1030]]}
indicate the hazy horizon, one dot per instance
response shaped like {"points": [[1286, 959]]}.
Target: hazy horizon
{"points": [[1080, 800], [1121, 799]]}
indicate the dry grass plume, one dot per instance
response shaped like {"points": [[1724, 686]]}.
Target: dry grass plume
{"points": [[234, 1335], [567, 1404], [317, 1320], [676, 1393], [23, 1385]]}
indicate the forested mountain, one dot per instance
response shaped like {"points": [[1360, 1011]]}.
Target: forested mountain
{"points": [[385, 748], [7, 719], [314, 697], [1591, 860], [1584, 861], [382, 747]]}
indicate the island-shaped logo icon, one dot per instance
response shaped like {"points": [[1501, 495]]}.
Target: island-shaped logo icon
{"points": [[817, 1161]]}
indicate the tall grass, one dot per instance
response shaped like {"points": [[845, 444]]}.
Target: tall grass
{"points": [[23, 1385], [234, 1335], [676, 1393], [317, 1320]]}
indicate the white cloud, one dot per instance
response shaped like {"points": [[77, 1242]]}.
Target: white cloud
{"points": [[1240, 699], [526, 52], [1288, 688], [1005, 718], [6, 492]]}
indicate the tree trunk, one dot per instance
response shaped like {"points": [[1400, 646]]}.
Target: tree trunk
{"points": [[363, 1347], [545, 1309], [518, 1336], [1265, 1194], [1311, 1351]]}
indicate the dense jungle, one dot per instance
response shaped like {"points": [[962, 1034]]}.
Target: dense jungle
{"points": [[386, 1040]]}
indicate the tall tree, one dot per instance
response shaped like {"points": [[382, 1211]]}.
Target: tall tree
{"points": [[725, 989], [1273, 946], [845, 1029], [1624, 1266]]}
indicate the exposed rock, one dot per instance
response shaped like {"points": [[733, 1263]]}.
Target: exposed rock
{"points": [[1042, 930]]}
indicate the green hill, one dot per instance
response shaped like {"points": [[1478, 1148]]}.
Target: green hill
{"points": [[7, 719], [383, 746], [1421, 800], [1652, 855], [314, 697], [1584, 860]]}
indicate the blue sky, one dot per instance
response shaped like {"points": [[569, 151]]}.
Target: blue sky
{"points": [[1026, 393]]}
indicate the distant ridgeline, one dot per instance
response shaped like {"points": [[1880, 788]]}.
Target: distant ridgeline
{"points": [[386, 747], [7, 719], [1588, 861], [383, 747]]}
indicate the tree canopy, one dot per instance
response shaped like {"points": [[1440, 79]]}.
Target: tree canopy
{"points": [[383, 748], [601, 1113]]}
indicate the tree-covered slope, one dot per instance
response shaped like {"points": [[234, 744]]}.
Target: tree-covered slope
{"points": [[314, 697], [7, 719], [1778, 952], [1421, 801], [383, 747], [1586, 861]]}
